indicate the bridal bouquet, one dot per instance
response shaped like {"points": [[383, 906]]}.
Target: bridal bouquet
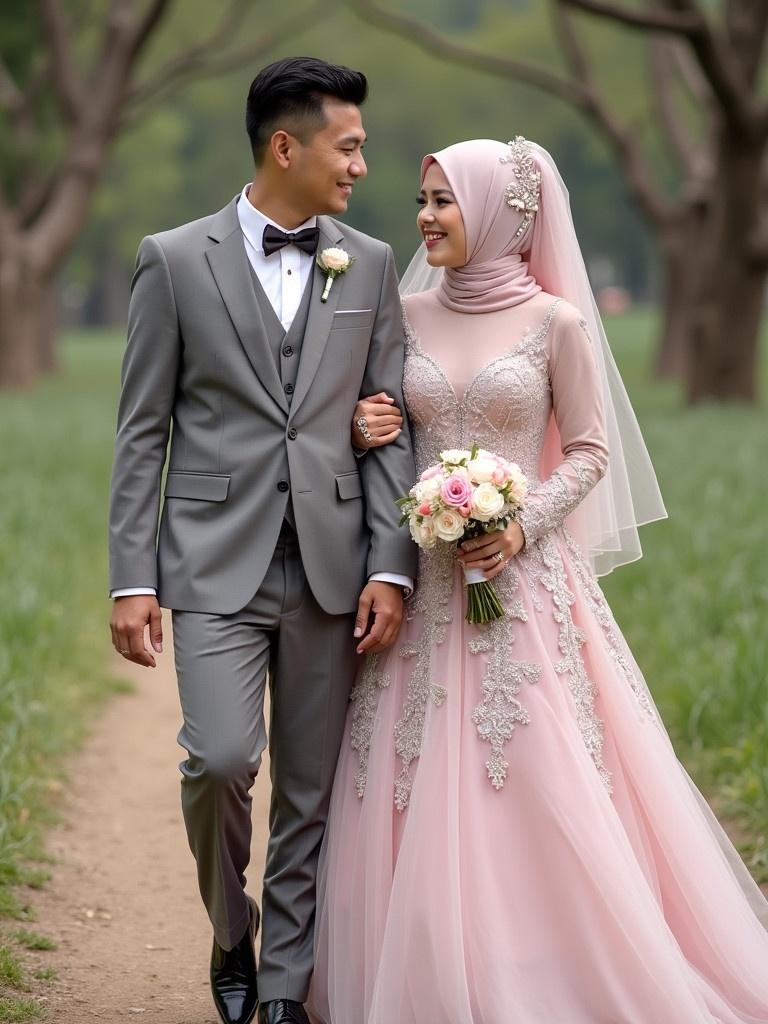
{"points": [[466, 494]]}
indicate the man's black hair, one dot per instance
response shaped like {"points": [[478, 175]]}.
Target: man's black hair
{"points": [[289, 94]]}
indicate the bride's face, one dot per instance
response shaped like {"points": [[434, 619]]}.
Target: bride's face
{"points": [[440, 222]]}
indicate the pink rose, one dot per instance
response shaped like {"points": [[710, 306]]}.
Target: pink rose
{"points": [[465, 510], [499, 476], [456, 490], [425, 509], [430, 472]]}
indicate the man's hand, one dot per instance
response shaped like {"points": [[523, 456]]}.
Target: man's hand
{"points": [[385, 602], [130, 616]]}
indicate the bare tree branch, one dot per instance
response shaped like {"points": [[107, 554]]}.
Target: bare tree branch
{"points": [[68, 86], [718, 64], [202, 60], [722, 69], [192, 57], [579, 90], [18, 105], [439, 45], [684, 23], [11, 96], [147, 25], [692, 77], [622, 140], [746, 25], [676, 130], [35, 193]]}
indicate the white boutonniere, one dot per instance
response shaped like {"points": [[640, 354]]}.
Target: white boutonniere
{"points": [[333, 262]]}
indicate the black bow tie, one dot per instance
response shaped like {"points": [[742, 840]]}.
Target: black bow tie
{"points": [[274, 239]]}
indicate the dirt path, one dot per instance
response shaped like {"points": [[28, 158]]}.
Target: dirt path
{"points": [[133, 939]]}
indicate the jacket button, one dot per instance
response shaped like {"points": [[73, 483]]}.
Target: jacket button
{"points": [[283, 485], [293, 434], [288, 350], [289, 388]]}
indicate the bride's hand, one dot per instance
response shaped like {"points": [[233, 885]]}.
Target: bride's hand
{"points": [[383, 421], [483, 552]]}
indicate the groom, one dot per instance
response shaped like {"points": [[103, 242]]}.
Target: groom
{"points": [[278, 550]]}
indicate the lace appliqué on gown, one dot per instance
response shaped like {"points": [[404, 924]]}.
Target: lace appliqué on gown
{"points": [[365, 696], [604, 616], [543, 566], [432, 601], [500, 710], [437, 575]]}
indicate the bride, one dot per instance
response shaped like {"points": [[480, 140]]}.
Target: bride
{"points": [[511, 838]]}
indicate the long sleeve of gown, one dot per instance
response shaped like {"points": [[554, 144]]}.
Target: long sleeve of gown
{"points": [[578, 409]]}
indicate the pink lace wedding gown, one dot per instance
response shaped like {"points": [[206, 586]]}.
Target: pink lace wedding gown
{"points": [[511, 837]]}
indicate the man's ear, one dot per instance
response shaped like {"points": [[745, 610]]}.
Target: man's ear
{"points": [[281, 145]]}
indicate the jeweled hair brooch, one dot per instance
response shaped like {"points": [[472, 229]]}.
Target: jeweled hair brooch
{"points": [[523, 193]]}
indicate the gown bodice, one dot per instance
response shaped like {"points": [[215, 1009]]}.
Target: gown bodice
{"points": [[505, 407]]}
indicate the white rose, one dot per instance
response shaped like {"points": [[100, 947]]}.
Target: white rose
{"points": [[423, 532], [518, 484], [449, 525], [454, 456], [426, 490], [335, 259], [487, 502], [481, 469]]}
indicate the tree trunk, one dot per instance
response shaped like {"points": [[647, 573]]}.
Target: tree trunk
{"points": [[25, 304], [730, 293], [47, 348], [677, 274]]}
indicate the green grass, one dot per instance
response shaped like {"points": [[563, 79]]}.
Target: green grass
{"points": [[54, 464], [695, 608], [17, 1011], [11, 970], [34, 940]]}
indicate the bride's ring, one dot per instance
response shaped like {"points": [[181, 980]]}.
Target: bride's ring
{"points": [[499, 557], [362, 426]]}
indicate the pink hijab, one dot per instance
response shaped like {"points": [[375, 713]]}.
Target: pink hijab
{"points": [[495, 275]]}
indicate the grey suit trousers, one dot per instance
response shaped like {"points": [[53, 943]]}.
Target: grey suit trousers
{"points": [[223, 662]]}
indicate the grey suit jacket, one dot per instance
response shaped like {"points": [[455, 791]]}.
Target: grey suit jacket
{"points": [[198, 359]]}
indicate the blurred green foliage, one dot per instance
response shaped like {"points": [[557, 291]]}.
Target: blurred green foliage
{"points": [[189, 156]]}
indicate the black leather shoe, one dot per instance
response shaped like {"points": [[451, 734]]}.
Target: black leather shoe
{"points": [[282, 1011], [233, 976]]}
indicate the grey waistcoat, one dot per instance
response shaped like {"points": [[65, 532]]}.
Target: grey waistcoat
{"points": [[285, 346]]}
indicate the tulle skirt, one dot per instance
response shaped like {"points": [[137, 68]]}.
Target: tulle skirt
{"points": [[512, 839]]}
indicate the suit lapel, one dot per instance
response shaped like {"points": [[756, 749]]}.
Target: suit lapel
{"points": [[229, 265], [320, 316]]}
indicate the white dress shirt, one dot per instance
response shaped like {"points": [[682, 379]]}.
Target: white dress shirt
{"points": [[283, 275]]}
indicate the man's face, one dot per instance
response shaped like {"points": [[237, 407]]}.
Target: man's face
{"points": [[324, 171]]}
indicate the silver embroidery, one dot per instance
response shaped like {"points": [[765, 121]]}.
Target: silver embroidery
{"points": [[365, 696], [522, 195], [604, 616], [551, 503], [543, 565], [500, 710], [436, 575]]}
